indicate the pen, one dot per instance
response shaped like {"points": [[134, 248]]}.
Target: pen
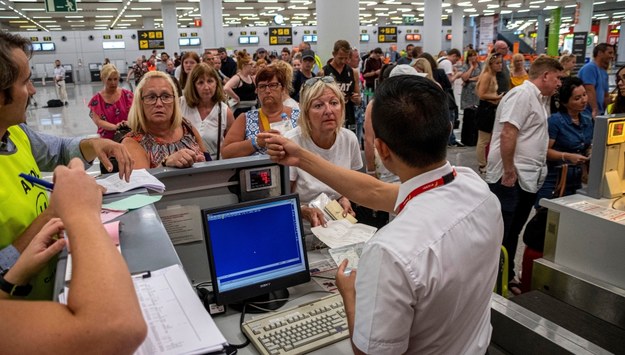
{"points": [[39, 182]]}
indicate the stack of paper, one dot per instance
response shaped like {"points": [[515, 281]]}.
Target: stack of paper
{"points": [[139, 178], [341, 233]]}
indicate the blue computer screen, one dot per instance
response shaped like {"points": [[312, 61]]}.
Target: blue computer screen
{"points": [[255, 243]]}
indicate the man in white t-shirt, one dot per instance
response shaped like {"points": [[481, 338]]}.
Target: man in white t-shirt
{"points": [[59, 81], [448, 63], [516, 165], [424, 282]]}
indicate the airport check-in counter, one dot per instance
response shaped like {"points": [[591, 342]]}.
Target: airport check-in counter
{"points": [[147, 245], [577, 302]]}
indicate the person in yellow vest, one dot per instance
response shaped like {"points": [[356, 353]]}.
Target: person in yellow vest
{"points": [[23, 206], [102, 311]]}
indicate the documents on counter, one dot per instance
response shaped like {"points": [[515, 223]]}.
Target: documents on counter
{"points": [[177, 320], [341, 233], [138, 178], [350, 252]]}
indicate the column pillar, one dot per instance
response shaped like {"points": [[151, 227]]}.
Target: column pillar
{"points": [[620, 50], [212, 30], [603, 30], [457, 28], [554, 32], [432, 26], [336, 20], [148, 23], [540, 34], [585, 16], [170, 26]]}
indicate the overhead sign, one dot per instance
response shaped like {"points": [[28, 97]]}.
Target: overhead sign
{"points": [[280, 35], [579, 47], [387, 34], [60, 5], [151, 39]]}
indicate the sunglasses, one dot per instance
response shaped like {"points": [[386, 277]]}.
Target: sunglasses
{"points": [[326, 79]]}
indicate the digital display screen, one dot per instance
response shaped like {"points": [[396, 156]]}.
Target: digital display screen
{"points": [[36, 47], [183, 41], [364, 37], [310, 38], [195, 41], [114, 45], [616, 132], [413, 37], [244, 40], [47, 46], [253, 39], [260, 179]]}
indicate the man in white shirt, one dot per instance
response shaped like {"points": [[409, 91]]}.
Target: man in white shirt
{"points": [[425, 280], [518, 150], [59, 81]]}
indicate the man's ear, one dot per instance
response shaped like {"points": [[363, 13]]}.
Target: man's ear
{"points": [[383, 151]]}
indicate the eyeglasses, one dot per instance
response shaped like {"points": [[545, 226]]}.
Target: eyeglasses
{"points": [[326, 79], [151, 99], [271, 86]]}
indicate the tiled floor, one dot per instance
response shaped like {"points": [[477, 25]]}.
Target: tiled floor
{"points": [[74, 120]]}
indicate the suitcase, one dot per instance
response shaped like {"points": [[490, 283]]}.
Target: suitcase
{"points": [[468, 134]]}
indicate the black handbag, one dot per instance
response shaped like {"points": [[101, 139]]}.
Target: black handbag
{"points": [[120, 133], [534, 234]]}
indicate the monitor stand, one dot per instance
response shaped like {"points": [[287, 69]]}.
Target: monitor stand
{"points": [[270, 301]]}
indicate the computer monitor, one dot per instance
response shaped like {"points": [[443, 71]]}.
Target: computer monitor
{"points": [[256, 250]]}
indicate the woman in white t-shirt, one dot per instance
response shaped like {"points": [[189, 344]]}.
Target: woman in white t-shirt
{"points": [[320, 130], [203, 104]]}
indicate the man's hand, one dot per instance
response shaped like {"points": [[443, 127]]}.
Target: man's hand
{"points": [[65, 200], [281, 150], [509, 178], [105, 148], [41, 249], [345, 282], [314, 216]]}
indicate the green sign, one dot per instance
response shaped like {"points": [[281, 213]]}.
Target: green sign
{"points": [[554, 32], [61, 6]]}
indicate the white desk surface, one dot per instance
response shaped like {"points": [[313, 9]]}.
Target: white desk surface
{"points": [[229, 323]]}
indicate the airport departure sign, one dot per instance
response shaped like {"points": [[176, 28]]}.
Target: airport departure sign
{"points": [[280, 35], [151, 39], [387, 34]]}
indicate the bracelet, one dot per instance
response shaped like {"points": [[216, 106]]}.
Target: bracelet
{"points": [[164, 162], [11, 289], [254, 145], [563, 160]]}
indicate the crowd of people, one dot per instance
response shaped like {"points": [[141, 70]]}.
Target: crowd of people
{"points": [[189, 108]]}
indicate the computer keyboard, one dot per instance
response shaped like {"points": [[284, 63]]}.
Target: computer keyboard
{"points": [[300, 329]]}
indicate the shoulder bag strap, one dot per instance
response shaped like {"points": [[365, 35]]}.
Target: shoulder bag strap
{"points": [[219, 133], [561, 186]]}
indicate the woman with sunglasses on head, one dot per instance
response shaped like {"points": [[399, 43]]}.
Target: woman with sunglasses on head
{"points": [[109, 108], [203, 104], [242, 140], [160, 136], [321, 131], [489, 100]]}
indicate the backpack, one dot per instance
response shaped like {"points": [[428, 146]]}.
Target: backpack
{"points": [[55, 103]]}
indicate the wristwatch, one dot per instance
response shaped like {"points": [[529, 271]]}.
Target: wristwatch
{"points": [[11, 289]]}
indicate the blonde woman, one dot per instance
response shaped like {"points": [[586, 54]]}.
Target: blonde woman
{"points": [[568, 62], [489, 99], [160, 136], [110, 106], [518, 74], [320, 130], [241, 88], [288, 71]]}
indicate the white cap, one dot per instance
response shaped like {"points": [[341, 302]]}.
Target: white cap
{"points": [[404, 69]]}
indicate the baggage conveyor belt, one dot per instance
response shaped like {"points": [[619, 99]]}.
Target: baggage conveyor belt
{"points": [[585, 325]]}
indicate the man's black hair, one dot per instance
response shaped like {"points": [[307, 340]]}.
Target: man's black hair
{"points": [[602, 47], [411, 116]]}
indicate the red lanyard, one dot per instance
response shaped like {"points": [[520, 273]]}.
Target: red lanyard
{"points": [[425, 187]]}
